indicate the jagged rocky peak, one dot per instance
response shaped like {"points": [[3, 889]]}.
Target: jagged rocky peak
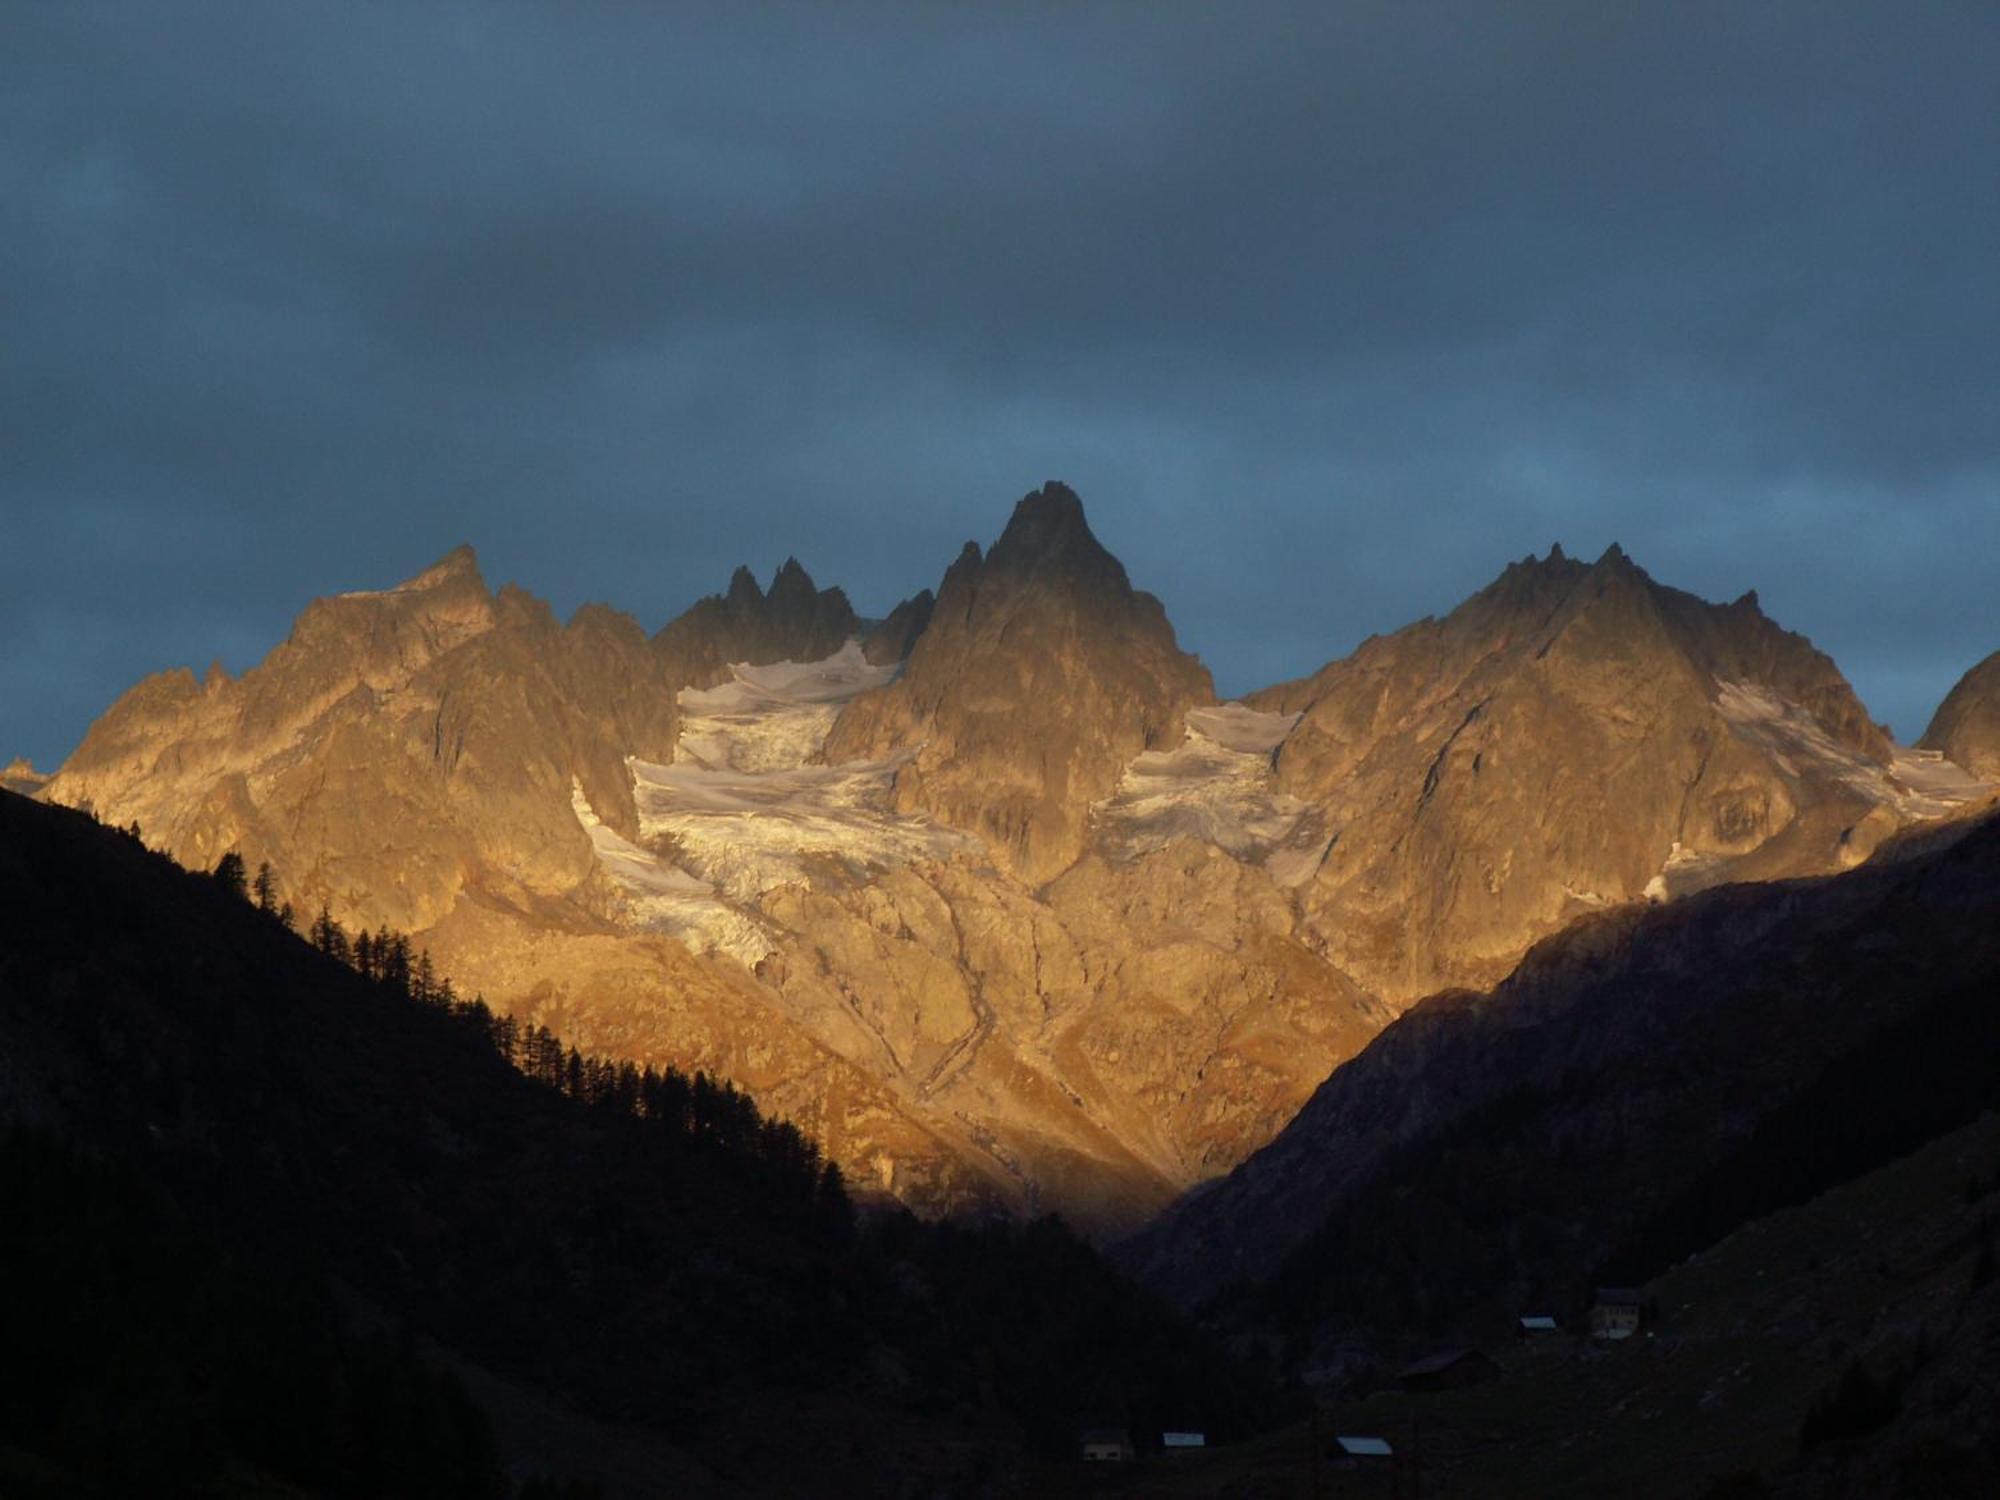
{"points": [[460, 566], [794, 621], [21, 777], [1572, 736], [1966, 727], [895, 637], [388, 632], [744, 592], [1047, 536], [398, 746], [1042, 674]]}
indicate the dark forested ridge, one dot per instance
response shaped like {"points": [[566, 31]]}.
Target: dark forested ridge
{"points": [[356, 1165], [1644, 1085]]}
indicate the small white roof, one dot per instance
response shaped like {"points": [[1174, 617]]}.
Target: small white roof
{"points": [[1364, 1447]]}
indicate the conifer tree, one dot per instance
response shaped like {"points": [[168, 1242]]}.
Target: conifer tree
{"points": [[423, 980], [231, 876], [329, 936], [266, 888], [392, 959]]}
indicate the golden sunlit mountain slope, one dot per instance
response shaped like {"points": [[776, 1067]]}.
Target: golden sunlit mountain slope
{"points": [[994, 899]]}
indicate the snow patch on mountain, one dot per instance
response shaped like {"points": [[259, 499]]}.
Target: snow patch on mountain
{"points": [[1915, 784], [775, 717], [745, 810], [661, 897], [1217, 786]]}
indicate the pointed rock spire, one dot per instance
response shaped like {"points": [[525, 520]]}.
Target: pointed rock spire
{"points": [[744, 592], [1041, 675], [794, 621], [460, 565]]}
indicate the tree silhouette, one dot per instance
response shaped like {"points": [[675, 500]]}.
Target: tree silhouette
{"points": [[266, 889], [231, 876]]}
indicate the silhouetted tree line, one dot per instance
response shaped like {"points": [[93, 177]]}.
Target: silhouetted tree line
{"points": [[637, 1242], [143, 1359], [690, 1111]]}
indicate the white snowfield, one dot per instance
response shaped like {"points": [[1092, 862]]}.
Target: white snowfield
{"points": [[1218, 787], [662, 897], [773, 718], [1915, 784], [746, 807], [744, 810]]}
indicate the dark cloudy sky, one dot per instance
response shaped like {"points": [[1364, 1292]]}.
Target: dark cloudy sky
{"points": [[1327, 310]]}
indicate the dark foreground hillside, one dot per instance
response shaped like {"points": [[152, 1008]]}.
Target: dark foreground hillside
{"points": [[280, 1217], [1646, 1086]]}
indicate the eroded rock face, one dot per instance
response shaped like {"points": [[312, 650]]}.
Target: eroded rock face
{"points": [[795, 621], [1042, 674], [1572, 737], [21, 778], [397, 746], [1966, 727], [1096, 1045], [896, 637], [992, 899]]}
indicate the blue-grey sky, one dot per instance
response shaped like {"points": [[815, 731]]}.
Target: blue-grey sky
{"points": [[1327, 310]]}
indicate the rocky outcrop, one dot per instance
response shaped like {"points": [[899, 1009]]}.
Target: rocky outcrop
{"points": [[1042, 674], [1110, 1040], [1572, 737], [1966, 727], [399, 746], [896, 636], [793, 622], [989, 897], [21, 778]]}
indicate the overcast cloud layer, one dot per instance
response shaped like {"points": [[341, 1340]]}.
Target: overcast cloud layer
{"points": [[1328, 311]]}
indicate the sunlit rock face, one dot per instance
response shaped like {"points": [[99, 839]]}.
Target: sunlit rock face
{"points": [[1041, 675], [21, 778], [1097, 1045], [992, 896], [399, 745], [1572, 737], [1966, 727]]}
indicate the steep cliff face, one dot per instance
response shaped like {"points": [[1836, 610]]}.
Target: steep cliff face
{"points": [[990, 896], [1966, 727], [896, 636], [1572, 737], [1042, 675], [398, 746], [795, 621]]}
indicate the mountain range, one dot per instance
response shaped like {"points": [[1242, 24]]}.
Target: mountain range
{"points": [[993, 898], [1590, 934]]}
